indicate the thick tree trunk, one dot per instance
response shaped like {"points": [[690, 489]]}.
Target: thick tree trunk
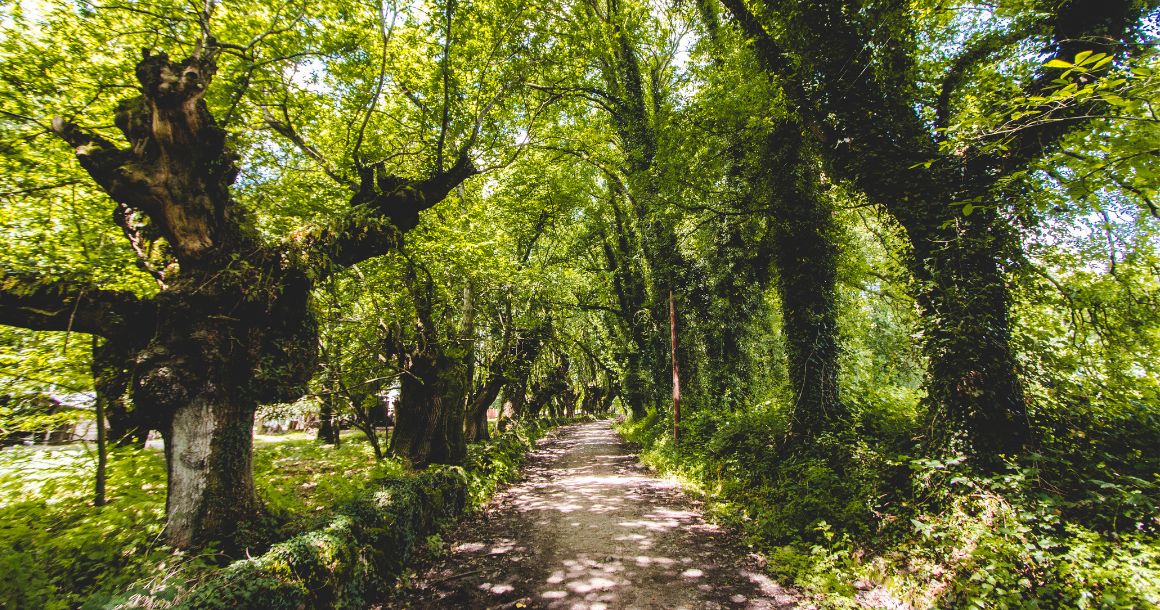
{"points": [[547, 391], [974, 387], [636, 392], [477, 428], [631, 294], [477, 409], [208, 451], [515, 401], [232, 326], [424, 420], [876, 137], [806, 253]]}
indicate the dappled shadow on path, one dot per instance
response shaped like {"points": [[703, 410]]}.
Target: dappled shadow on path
{"points": [[588, 527]]}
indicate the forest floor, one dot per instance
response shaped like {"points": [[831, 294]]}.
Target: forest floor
{"points": [[587, 526]]}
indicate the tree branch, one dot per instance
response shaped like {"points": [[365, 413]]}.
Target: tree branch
{"points": [[983, 47], [286, 129], [768, 51], [39, 303], [384, 208], [1092, 25]]}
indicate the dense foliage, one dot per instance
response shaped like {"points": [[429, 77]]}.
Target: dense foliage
{"points": [[908, 251]]}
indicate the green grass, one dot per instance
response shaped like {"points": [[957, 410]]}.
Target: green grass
{"points": [[56, 549], [299, 478]]}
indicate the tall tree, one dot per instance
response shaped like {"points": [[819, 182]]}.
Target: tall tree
{"points": [[850, 71]]}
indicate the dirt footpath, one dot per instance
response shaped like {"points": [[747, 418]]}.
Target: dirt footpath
{"points": [[588, 527]]}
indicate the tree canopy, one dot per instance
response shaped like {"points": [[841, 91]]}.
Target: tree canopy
{"points": [[882, 233]]}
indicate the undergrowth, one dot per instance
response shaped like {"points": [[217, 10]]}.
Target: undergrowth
{"points": [[1074, 524]]}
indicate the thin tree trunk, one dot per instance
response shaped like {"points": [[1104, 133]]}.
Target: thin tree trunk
{"points": [[328, 430], [102, 448], [676, 371]]}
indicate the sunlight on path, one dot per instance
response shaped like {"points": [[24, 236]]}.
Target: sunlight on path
{"points": [[589, 528]]}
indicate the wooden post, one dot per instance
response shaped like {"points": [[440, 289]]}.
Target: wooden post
{"points": [[102, 441], [676, 372]]}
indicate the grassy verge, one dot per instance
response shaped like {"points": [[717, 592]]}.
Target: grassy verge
{"points": [[1054, 531], [352, 559], [59, 551]]}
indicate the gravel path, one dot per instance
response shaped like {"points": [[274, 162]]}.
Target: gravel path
{"points": [[588, 527]]}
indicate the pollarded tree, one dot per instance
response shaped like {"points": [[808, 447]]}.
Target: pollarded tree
{"points": [[232, 327]]}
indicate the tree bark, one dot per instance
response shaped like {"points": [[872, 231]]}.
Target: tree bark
{"points": [[429, 417], [112, 376], [328, 429], [867, 123], [209, 458], [974, 388], [477, 429], [232, 326], [423, 418]]}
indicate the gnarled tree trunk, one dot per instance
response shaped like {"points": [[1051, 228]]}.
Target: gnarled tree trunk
{"points": [[232, 326], [424, 419], [430, 412], [477, 429]]}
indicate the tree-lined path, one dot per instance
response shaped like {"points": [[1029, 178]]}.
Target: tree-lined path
{"points": [[589, 527]]}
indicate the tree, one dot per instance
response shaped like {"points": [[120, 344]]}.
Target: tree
{"points": [[883, 132], [233, 327]]}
